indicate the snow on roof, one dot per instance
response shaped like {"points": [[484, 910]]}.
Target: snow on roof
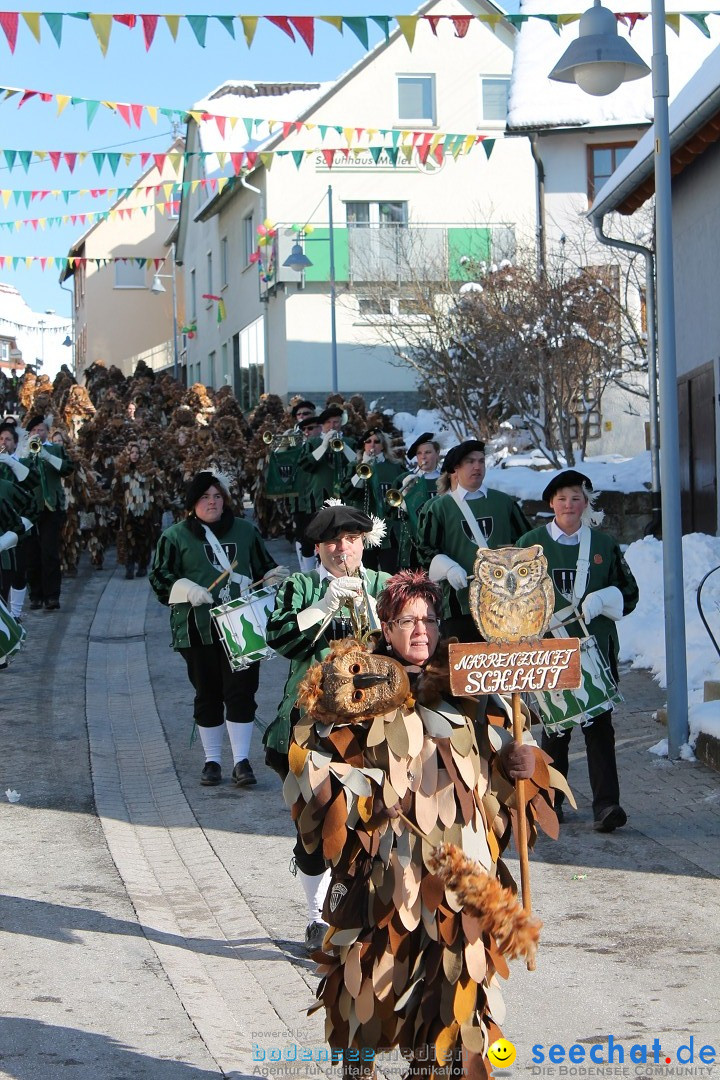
{"points": [[697, 101], [537, 103]]}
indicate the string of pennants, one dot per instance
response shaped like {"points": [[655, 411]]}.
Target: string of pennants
{"points": [[91, 216], [62, 262], [296, 27]]}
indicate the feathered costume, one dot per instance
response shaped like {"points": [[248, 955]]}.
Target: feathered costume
{"points": [[406, 963]]}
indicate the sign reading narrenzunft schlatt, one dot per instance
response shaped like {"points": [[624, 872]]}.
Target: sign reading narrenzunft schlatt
{"points": [[534, 665]]}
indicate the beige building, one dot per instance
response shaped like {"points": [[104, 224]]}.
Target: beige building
{"points": [[117, 317]]}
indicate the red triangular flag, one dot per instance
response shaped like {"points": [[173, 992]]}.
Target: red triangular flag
{"points": [[54, 156], [221, 121], [287, 128], [137, 111], [433, 20], [305, 26], [144, 158], [70, 160], [251, 158], [237, 162], [159, 160], [461, 24], [126, 20], [283, 23], [9, 23], [329, 156], [149, 23], [124, 111]]}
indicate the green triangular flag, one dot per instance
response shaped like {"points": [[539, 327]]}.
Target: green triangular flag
{"points": [[91, 107], [99, 160], [383, 21], [54, 20], [375, 152], [249, 123], [298, 155], [25, 156], [198, 24], [359, 27], [699, 21], [228, 21], [322, 128], [10, 156], [488, 146], [113, 162], [392, 154]]}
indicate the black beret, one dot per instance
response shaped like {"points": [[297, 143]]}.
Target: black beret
{"points": [[371, 431], [569, 478], [327, 414], [34, 421], [199, 485], [330, 521], [308, 422], [302, 405], [9, 425], [427, 436], [456, 453]]}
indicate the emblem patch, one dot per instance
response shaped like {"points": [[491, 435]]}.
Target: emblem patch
{"points": [[486, 528], [337, 894]]}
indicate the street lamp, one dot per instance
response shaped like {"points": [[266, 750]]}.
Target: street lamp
{"points": [[598, 46], [158, 287], [297, 260]]}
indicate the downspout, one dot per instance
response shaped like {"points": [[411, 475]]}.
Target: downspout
{"points": [[263, 299], [539, 206], [655, 526]]}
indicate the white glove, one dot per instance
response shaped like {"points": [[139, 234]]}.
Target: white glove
{"points": [[185, 591], [443, 568], [608, 602], [8, 540], [325, 438], [368, 458], [357, 481], [276, 575], [51, 459], [21, 471], [339, 590]]}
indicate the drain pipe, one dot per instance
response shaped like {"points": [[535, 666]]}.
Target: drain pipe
{"points": [[263, 299], [539, 206], [655, 526]]}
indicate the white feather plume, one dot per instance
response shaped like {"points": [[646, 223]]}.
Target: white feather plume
{"points": [[376, 535]]}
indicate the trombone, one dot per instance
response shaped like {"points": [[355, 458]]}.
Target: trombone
{"points": [[282, 441]]}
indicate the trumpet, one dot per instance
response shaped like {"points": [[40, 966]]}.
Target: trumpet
{"points": [[363, 470], [35, 444], [337, 445], [395, 497], [363, 618], [282, 442]]}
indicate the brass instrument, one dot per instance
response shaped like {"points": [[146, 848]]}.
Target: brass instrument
{"points": [[395, 497], [363, 619], [282, 442], [337, 445], [363, 470], [35, 444]]}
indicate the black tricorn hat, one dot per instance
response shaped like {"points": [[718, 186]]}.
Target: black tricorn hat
{"points": [[427, 436], [302, 405], [568, 478], [327, 414], [331, 521], [456, 453]]}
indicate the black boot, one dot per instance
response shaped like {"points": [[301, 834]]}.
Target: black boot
{"points": [[129, 571]]}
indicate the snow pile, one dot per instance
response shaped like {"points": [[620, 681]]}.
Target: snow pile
{"points": [[642, 640], [525, 476]]}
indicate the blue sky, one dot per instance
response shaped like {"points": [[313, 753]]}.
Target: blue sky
{"points": [[171, 74]]}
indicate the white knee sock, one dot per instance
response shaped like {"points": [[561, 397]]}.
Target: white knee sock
{"points": [[212, 740], [17, 599], [240, 736], [315, 886]]}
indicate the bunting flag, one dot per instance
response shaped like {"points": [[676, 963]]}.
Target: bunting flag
{"points": [[65, 262], [88, 217], [220, 305], [296, 27]]}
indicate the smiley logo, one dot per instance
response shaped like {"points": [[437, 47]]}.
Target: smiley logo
{"points": [[502, 1053]]}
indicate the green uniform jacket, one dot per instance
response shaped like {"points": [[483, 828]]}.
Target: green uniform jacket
{"points": [[421, 491], [370, 496], [298, 592], [442, 530], [607, 567], [321, 480], [181, 554], [48, 492], [15, 503]]}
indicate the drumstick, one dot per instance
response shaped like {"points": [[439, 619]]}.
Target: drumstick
{"points": [[224, 574]]}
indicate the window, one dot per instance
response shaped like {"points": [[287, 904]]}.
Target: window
{"points": [[416, 98], [494, 94], [210, 381], [363, 214], [248, 238], [129, 274], [193, 297], [383, 306], [223, 262], [4, 350], [594, 423], [210, 288], [224, 379], [602, 161]]}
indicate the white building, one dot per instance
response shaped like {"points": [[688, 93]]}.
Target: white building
{"points": [[389, 220], [40, 340]]}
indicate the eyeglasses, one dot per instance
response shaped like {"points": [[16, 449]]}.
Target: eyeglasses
{"points": [[408, 622]]}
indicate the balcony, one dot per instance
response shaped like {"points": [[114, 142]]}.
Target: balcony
{"points": [[397, 254]]}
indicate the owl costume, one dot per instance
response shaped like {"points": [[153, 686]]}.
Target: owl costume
{"points": [[402, 964]]}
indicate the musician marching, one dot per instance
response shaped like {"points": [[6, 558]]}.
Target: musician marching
{"points": [[326, 460], [415, 489], [377, 471], [313, 609], [48, 463], [209, 558], [16, 506]]}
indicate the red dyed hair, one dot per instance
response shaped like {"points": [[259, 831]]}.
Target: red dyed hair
{"points": [[402, 589]]}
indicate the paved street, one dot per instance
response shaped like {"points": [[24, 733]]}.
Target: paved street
{"points": [[150, 926]]}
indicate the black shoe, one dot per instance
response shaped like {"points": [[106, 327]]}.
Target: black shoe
{"points": [[52, 605], [610, 819], [35, 605], [559, 812], [211, 774], [129, 574], [141, 571], [243, 775]]}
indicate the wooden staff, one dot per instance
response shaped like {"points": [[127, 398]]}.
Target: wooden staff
{"points": [[522, 839]]}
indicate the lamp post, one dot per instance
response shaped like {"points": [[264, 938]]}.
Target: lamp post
{"points": [[596, 63], [158, 287], [297, 260]]}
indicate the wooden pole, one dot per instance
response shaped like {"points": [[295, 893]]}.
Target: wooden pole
{"points": [[522, 840]]}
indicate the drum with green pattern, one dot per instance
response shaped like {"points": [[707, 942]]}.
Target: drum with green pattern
{"points": [[563, 709]]}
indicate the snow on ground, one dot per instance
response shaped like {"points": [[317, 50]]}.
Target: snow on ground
{"points": [[642, 640], [608, 472]]}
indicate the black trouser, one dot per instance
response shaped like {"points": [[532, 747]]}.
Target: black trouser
{"points": [[602, 767], [42, 554], [220, 692]]}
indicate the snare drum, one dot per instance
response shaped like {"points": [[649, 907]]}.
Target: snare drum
{"points": [[561, 710], [12, 634], [241, 626]]}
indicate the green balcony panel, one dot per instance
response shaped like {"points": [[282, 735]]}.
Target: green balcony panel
{"points": [[474, 244], [317, 248]]}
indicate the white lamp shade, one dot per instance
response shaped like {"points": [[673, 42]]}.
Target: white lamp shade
{"points": [[157, 285], [599, 47]]}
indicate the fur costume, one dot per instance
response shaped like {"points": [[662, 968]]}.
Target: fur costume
{"points": [[135, 489], [409, 962]]}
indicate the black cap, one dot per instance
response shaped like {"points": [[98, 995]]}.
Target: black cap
{"points": [[376, 430], [568, 478], [427, 436], [308, 422], [34, 421], [331, 521], [327, 414], [302, 405], [456, 453], [199, 485]]}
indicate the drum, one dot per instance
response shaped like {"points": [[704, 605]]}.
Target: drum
{"points": [[561, 710], [241, 625], [12, 634]]}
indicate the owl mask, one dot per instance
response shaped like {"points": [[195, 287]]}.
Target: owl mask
{"points": [[352, 684]]}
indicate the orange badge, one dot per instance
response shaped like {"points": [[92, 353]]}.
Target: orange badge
{"points": [[597, 559]]}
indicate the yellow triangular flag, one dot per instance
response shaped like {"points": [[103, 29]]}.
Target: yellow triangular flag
{"points": [[51, 260], [565, 20], [348, 134], [333, 20], [408, 26], [222, 182], [128, 157], [62, 100], [6, 195], [222, 158], [29, 260], [193, 186], [41, 154], [176, 161], [173, 21], [82, 155], [32, 18], [437, 137], [407, 152], [42, 222], [673, 21], [267, 160], [233, 121], [468, 143], [17, 225], [168, 190], [249, 25], [491, 20], [152, 111], [102, 25], [196, 115]]}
